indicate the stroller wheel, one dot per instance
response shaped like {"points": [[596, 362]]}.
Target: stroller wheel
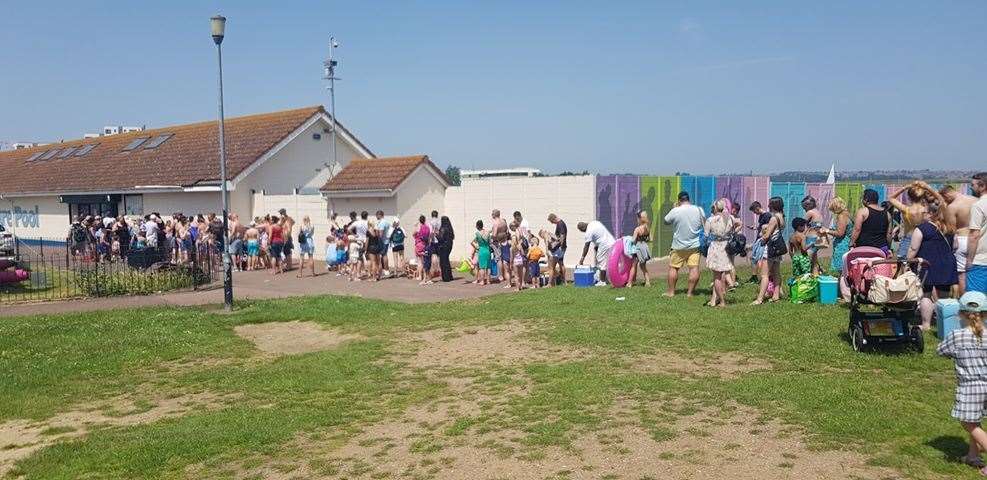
{"points": [[857, 339], [918, 339]]}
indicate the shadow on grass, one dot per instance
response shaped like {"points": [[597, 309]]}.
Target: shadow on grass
{"points": [[952, 447], [883, 349]]}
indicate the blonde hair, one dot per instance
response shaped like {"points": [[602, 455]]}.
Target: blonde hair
{"points": [[975, 321], [719, 206], [837, 205]]}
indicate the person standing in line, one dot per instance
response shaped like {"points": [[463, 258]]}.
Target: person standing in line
{"points": [[434, 224], [958, 207], [501, 237], [288, 225], [641, 236], [275, 235], [814, 241], [481, 243], [445, 238], [522, 225], [976, 251], [774, 252], [384, 225], [719, 227], [235, 233], [423, 236], [599, 237], [556, 263], [839, 230], [872, 224], [359, 228], [687, 221], [306, 245], [931, 243], [396, 240], [252, 237]]}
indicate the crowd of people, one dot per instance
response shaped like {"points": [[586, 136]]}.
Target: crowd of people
{"points": [[940, 227]]}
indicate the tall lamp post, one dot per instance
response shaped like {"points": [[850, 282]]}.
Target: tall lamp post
{"points": [[330, 74], [218, 24]]}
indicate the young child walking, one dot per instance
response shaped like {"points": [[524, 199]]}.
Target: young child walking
{"points": [[967, 349]]}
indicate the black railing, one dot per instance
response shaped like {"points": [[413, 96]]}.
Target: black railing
{"points": [[45, 270]]}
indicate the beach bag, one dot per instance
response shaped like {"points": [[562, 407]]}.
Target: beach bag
{"points": [[776, 246], [906, 288], [465, 267], [803, 289], [737, 245]]}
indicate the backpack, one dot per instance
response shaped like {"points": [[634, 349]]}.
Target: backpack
{"points": [[397, 236]]}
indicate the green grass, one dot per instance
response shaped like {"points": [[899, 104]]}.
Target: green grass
{"points": [[892, 406]]}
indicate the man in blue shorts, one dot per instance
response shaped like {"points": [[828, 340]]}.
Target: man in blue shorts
{"points": [[976, 249]]}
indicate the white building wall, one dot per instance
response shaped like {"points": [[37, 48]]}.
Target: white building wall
{"points": [[302, 164], [35, 217], [419, 195], [569, 197]]}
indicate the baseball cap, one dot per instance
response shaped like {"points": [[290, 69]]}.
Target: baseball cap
{"points": [[973, 302]]}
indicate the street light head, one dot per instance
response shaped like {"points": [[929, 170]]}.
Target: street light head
{"points": [[335, 44], [218, 24]]}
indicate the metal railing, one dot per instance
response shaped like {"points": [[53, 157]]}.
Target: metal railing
{"points": [[45, 270]]}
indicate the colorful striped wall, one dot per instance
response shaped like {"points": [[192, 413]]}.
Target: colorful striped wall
{"points": [[620, 197]]}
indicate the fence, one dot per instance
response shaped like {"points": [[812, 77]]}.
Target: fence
{"points": [[43, 270]]}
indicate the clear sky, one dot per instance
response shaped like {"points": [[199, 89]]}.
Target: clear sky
{"points": [[613, 87]]}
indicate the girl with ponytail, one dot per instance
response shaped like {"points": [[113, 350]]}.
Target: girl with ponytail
{"points": [[966, 347]]}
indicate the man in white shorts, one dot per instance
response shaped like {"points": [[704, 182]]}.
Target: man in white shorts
{"points": [[602, 240], [958, 207]]}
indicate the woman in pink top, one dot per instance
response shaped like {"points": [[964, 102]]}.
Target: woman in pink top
{"points": [[421, 250]]}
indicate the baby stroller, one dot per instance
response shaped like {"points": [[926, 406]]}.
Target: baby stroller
{"points": [[892, 321]]}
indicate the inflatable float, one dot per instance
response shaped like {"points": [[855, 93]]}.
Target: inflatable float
{"points": [[619, 265]]}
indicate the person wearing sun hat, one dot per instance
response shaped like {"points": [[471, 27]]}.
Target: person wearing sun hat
{"points": [[969, 353]]}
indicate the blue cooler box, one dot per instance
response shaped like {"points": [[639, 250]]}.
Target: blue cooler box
{"points": [[829, 290], [583, 277], [947, 316]]}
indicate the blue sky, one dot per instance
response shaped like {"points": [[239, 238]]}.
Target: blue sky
{"points": [[612, 87]]}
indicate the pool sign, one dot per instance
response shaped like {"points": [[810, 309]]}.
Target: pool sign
{"points": [[20, 218]]}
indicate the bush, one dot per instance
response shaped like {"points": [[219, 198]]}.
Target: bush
{"points": [[104, 281]]}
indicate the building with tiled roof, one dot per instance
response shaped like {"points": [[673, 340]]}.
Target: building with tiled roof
{"points": [[408, 186], [174, 169]]}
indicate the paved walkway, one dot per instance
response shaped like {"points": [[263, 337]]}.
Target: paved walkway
{"points": [[261, 285]]}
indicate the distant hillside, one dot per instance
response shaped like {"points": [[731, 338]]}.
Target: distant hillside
{"points": [[891, 176]]}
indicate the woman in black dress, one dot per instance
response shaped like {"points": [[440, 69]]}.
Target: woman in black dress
{"points": [[445, 239]]}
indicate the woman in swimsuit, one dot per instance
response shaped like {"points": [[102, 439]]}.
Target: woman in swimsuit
{"points": [[641, 238], [814, 240]]}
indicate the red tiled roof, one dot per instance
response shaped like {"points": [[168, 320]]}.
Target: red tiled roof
{"points": [[188, 158], [379, 173]]}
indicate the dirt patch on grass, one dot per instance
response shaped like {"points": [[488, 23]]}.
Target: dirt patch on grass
{"points": [[21, 438], [505, 344], [292, 338], [726, 365], [723, 443]]}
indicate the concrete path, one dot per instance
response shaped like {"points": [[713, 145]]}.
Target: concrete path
{"points": [[261, 285]]}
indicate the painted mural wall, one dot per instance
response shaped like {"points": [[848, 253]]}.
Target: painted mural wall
{"points": [[619, 197]]}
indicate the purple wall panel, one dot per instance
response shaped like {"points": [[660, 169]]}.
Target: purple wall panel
{"points": [[606, 200], [628, 196]]}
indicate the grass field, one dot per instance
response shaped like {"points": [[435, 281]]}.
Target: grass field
{"points": [[554, 383]]}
